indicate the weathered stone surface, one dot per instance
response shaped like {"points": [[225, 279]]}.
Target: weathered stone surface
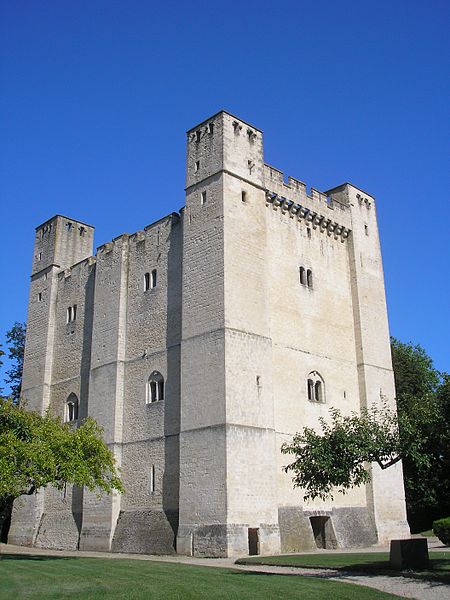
{"points": [[235, 332], [144, 532], [295, 529]]}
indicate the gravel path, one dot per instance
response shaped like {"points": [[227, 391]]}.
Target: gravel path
{"points": [[401, 586]]}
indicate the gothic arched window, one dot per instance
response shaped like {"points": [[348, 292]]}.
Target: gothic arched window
{"points": [[315, 387], [155, 388], [71, 409]]}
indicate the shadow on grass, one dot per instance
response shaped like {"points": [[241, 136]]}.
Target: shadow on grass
{"points": [[436, 574], [37, 557]]}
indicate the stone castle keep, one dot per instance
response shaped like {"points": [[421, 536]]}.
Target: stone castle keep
{"points": [[201, 344]]}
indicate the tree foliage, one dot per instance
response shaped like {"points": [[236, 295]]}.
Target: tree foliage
{"points": [[37, 451], [335, 460], [423, 401], [338, 457], [15, 339]]}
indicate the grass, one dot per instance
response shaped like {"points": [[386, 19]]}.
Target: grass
{"points": [[34, 577], [427, 533], [369, 562]]}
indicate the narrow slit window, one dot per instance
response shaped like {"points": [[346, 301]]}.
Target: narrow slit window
{"points": [[302, 276], [366, 229], [40, 297], [244, 196], [152, 479], [146, 282], [71, 314], [310, 389], [318, 391], [198, 135], [203, 198], [211, 128], [197, 166], [309, 278], [153, 279]]}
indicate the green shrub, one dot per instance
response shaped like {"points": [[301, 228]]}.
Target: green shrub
{"points": [[441, 529]]}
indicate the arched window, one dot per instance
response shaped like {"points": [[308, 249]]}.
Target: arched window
{"points": [[153, 279], [315, 387], [309, 279], [71, 409], [146, 282], [155, 388], [302, 276]]}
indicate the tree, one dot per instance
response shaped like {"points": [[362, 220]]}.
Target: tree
{"points": [[1, 362], [37, 451], [423, 401], [336, 459], [15, 338]]}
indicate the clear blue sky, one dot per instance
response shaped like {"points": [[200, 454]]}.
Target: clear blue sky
{"points": [[96, 97]]}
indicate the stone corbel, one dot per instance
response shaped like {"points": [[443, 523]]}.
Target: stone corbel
{"points": [[303, 212], [324, 224], [344, 234], [285, 205], [337, 231], [330, 227], [316, 221], [294, 209]]}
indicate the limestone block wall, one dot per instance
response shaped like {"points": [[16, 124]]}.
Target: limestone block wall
{"points": [[232, 303], [150, 455], [106, 384]]}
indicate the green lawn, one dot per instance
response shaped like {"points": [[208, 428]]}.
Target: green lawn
{"points": [[362, 561], [26, 577]]}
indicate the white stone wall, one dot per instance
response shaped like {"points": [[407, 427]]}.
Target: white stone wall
{"points": [[234, 333]]}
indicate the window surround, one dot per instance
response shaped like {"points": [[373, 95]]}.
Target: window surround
{"points": [[71, 408], [315, 388], [154, 388]]}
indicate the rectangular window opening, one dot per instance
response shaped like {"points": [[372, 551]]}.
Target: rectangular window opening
{"points": [[197, 166], [203, 198], [244, 196], [40, 297], [152, 479], [153, 279]]}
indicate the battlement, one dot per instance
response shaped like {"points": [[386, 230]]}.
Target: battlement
{"points": [[294, 188], [138, 236]]}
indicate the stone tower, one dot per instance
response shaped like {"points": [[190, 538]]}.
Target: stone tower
{"points": [[201, 344], [226, 398]]}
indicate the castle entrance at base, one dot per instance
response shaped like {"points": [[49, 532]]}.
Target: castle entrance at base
{"points": [[323, 532], [253, 541]]}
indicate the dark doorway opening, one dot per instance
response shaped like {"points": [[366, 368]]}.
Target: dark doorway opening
{"points": [[6, 524], [323, 532], [253, 541]]}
